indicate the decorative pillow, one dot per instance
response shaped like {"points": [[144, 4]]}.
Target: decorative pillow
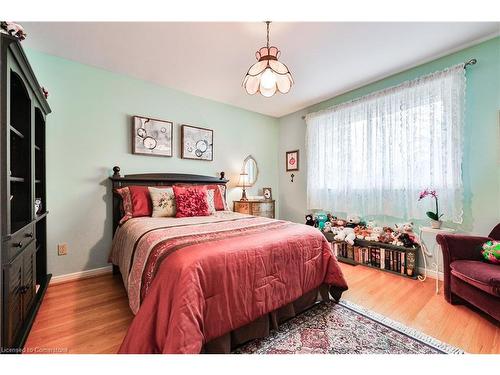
{"points": [[191, 200], [135, 202], [491, 252], [141, 201], [163, 202], [223, 203], [210, 200], [219, 200], [126, 206]]}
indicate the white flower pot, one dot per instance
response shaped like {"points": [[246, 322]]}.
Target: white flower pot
{"points": [[436, 224]]}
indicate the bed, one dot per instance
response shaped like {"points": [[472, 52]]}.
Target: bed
{"points": [[208, 284]]}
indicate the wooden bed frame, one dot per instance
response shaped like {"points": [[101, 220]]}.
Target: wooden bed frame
{"points": [[156, 179]]}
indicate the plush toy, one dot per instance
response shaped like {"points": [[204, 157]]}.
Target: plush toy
{"points": [[371, 224], [13, 29], [407, 229], [327, 227], [362, 232], [386, 236], [346, 234], [340, 223], [321, 219], [353, 220], [491, 252], [375, 234], [336, 230], [405, 240], [310, 221]]}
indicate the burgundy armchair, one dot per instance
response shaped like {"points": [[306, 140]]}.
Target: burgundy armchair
{"points": [[466, 277]]}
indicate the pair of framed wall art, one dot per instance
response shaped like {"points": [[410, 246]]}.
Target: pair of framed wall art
{"points": [[155, 138]]}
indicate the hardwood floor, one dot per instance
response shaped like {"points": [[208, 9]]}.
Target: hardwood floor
{"points": [[92, 315]]}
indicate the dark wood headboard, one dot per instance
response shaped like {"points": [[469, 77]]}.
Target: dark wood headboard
{"points": [[155, 179]]}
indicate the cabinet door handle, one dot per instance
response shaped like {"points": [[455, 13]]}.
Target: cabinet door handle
{"points": [[19, 244], [23, 289], [29, 235]]}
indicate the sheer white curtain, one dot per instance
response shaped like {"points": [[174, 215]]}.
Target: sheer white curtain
{"points": [[373, 156]]}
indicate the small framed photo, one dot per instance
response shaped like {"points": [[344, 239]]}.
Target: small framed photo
{"points": [[197, 143], [151, 136], [267, 193], [292, 160]]}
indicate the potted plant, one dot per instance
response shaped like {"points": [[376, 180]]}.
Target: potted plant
{"points": [[434, 216]]}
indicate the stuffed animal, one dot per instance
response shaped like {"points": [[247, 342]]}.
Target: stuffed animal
{"points": [[408, 229], [340, 223], [321, 219], [386, 236], [336, 230], [327, 227], [310, 221], [13, 29], [347, 235], [375, 234], [353, 220], [405, 240], [362, 232], [371, 224]]}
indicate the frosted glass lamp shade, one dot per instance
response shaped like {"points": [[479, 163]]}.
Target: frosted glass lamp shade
{"points": [[268, 75]]}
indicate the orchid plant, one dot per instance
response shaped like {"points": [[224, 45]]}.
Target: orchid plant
{"points": [[432, 215]]}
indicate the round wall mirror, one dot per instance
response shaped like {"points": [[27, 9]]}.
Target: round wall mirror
{"points": [[251, 169]]}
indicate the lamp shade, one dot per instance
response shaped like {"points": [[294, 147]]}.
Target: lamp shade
{"points": [[243, 180], [268, 75]]}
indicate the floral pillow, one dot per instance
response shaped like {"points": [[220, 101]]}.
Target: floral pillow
{"points": [[491, 252], [163, 202], [191, 200]]}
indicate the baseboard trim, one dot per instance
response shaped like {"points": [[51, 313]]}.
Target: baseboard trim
{"points": [[81, 275], [431, 273]]}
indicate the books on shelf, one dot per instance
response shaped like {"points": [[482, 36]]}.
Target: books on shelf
{"points": [[403, 260]]}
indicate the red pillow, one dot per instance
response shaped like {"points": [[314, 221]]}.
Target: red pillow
{"points": [[219, 200], [191, 200], [141, 201], [136, 202]]}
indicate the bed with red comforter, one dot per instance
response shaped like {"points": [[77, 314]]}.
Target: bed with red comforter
{"points": [[191, 281]]}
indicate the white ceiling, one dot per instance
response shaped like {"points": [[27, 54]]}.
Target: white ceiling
{"points": [[211, 59]]}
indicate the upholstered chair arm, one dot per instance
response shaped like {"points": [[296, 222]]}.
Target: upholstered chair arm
{"points": [[455, 247]]}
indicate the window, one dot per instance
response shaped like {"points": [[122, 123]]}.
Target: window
{"points": [[373, 156]]}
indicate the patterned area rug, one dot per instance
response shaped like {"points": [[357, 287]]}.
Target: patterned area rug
{"points": [[344, 328]]}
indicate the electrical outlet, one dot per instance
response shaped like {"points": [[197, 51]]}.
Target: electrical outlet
{"points": [[62, 249]]}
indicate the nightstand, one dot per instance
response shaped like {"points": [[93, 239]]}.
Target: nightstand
{"points": [[255, 208]]}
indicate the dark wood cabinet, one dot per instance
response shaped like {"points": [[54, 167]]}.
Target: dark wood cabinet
{"points": [[23, 251]]}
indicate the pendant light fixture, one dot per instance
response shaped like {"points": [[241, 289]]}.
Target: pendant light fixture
{"points": [[268, 75]]}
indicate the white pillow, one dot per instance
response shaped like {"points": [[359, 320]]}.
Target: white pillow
{"points": [[163, 200]]}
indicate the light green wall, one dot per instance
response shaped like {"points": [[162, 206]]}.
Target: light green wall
{"points": [[89, 132], [481, 162]]}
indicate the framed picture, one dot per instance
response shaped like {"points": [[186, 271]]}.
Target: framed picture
{"points": [[267, 193], [292, 161], [197, 143], [151, 136]]}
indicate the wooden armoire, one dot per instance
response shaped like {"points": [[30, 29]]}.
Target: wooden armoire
{"points": [[23, 251]]}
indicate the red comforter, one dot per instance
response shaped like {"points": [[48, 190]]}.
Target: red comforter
{"points": [[196, 288]]}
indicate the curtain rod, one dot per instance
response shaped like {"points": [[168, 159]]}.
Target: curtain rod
{"points": [[466, 64]]}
